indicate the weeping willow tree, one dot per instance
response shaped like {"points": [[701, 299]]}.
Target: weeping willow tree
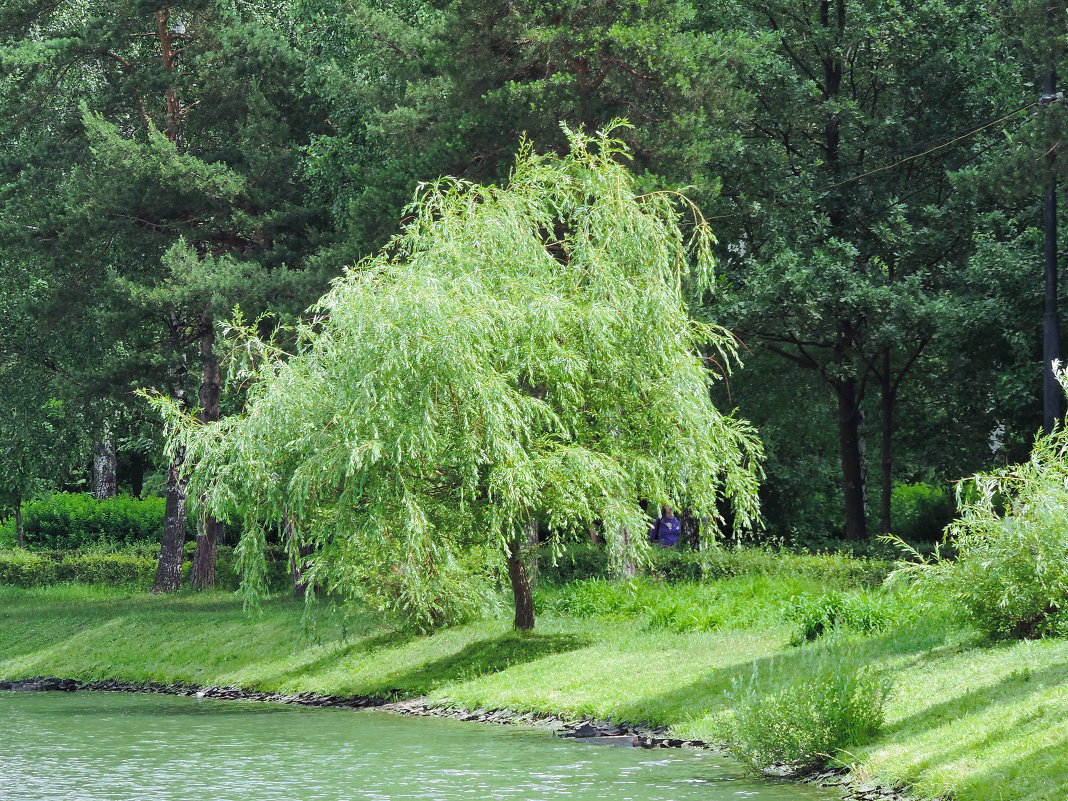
{"points": [[517, 356]]}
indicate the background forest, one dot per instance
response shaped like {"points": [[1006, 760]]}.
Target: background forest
{"points": [[873, 171]]}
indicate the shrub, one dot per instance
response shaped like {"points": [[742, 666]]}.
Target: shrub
{"points": [[862, 612], [838, 570], [920, 512], [66, 521], [1011, 570], [114, 568], [20, 568], [131, 566], [799, 728], [578, 562]]}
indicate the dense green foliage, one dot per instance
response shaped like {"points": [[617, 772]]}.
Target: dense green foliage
{"points": [[872, 172], [519, 353], [67, 521], [800, 728], [108, 566], [22, 568], [1009, 571]]}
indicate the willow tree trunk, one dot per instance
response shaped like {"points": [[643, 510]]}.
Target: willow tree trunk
{"points": [[20, 528], [210, 530], [626, 569], [296, 562], [104, 465], [169, 567], [522, 553]]}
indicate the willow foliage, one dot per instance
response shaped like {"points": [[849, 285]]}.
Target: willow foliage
{"points": [[1010, 571], [516, 353]]}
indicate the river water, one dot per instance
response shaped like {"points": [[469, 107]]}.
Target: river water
{"points": [[122, 747]]}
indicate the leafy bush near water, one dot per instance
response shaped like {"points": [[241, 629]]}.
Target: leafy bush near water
{"points": [[800, 727]]}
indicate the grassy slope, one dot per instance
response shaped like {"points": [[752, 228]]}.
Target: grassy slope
{"points": [[983, 722]]}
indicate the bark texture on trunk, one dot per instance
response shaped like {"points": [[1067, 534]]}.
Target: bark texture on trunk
{"points": [[627, 570], [169, 568], [518, 556], [20, 528], [209, 535], [851, 447], [301, 587], [105, 463], [888, 399], [210, 530]]}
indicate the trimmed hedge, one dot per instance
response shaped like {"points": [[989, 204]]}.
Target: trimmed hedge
{"points": [[129, 567], [70, 520]]}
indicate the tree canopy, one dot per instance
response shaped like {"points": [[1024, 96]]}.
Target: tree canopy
{"points": [[517, 353]]}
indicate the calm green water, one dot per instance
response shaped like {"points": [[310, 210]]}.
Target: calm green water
{"points": [[116, 747]]}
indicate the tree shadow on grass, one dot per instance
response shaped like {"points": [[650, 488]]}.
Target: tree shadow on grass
{"points": [[709, 693], [1009, 689], [480, 658]]}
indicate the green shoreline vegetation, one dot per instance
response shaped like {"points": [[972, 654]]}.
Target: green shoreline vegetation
{"points": [[965, 716]]}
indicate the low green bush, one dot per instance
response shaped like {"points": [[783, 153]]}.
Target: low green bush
{"points": [[71, 520], [838, 570], [920, 512], [800, 727], [736, 602], [864, 612], [578, 562], [131, 566], [1010, 573], [682, 565], [21, 568], [114, 568]]}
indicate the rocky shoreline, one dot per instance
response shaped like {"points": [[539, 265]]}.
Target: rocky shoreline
{"points": [[592, 731]]}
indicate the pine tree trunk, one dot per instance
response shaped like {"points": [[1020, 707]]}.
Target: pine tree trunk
{"points": [[518, 556], [851, 447], [20, 528], [169, 568], [210, 530], [889, 398], [104, 465]]}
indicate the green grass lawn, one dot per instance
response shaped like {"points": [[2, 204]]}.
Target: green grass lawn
{"points": [[966, 717]]}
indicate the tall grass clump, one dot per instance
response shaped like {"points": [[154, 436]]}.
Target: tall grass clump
{"points": [[799, 727], [863, 612], [1010, 574]]}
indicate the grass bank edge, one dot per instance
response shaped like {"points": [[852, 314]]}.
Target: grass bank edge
{"points": [[976, 720]]}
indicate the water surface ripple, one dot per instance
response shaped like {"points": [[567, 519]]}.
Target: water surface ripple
{"points": [[118, 747]]}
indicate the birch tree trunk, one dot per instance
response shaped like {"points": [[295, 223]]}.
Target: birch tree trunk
{"points": [[105, 458]]}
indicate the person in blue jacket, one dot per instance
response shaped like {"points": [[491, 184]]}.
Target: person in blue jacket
{"points": [[666, 529]]}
